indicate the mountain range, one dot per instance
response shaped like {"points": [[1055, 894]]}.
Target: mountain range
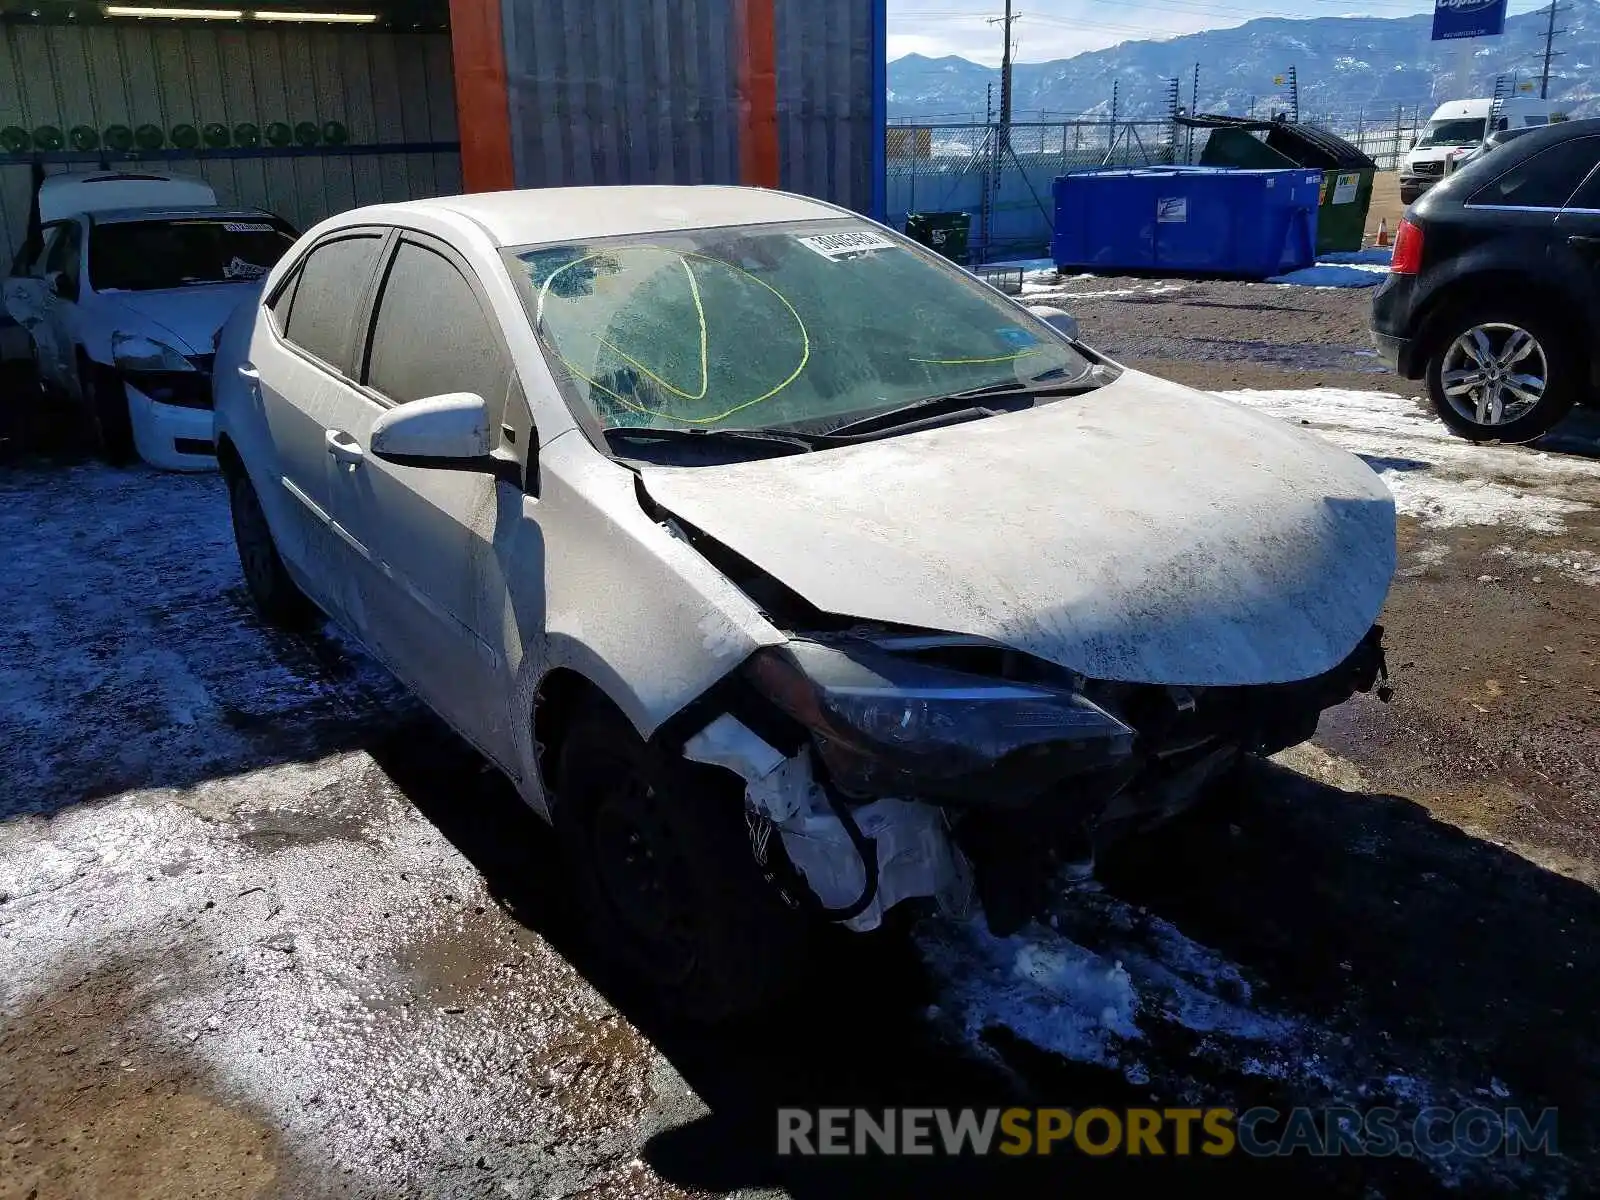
{"points": [[1345, 66]]}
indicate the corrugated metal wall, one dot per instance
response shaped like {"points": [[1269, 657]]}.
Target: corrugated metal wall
{"points": [[385, 88], [645, 91], [826, 116]]}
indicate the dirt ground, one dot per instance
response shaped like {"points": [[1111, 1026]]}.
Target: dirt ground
{"points": [[270, 931]]}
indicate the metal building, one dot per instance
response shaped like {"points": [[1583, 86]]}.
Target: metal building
{"points": [[308, 113]]}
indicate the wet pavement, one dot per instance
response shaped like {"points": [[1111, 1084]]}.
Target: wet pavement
{"points": [[269, 930]]}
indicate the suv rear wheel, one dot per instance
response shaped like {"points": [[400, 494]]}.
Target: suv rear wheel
{"points": [[1503, 371]]}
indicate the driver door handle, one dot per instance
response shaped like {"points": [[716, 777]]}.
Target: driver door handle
{"points": [[343, 447], [248, 371], [1584, 241]]}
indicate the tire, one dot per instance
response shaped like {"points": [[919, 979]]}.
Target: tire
{"points": [[1410, 196], [107, 401], [276, 597], [1535, 372], [668, 886]]}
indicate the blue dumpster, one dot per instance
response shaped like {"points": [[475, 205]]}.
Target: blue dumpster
{"points": [[1202, 219]]}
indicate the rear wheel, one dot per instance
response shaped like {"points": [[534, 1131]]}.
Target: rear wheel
{"points": [[670, 890], [106, 398], [275, 595], [1504, 372]]}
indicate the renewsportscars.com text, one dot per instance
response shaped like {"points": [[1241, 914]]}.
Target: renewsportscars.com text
{"points": [[1215, 1132]]}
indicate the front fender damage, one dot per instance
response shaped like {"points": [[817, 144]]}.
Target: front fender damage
{"points": [[854, 864]]}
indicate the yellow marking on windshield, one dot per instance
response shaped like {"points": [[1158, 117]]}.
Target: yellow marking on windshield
{"points": [[962, 362], [705, 350], [684, 256]]}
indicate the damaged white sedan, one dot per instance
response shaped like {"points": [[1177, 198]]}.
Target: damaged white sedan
{"points": [[790, 570]]}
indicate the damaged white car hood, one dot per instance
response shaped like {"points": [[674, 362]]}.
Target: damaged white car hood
{"points": [[1142, 533]]}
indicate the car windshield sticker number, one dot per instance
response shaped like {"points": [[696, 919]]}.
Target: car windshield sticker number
{"points": [[247, 227], [237, 268], [1344, 191], [837, 246], [1172, 210]]}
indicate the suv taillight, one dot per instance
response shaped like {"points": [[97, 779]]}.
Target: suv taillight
{"points": [[1407, 257]]}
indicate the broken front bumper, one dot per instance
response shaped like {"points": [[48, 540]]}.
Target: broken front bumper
{"points": [[882, 785]]}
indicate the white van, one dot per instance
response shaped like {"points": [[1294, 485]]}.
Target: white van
{"points": [[1459, 126]]}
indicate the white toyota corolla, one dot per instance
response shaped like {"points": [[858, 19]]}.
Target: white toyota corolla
{"points": [[790, 570]]}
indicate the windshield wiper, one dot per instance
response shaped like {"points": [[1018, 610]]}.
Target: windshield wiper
{"points": [[1021, 394], [771, 440]]}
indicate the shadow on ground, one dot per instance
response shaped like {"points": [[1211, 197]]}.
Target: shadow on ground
{"points": [[1451, 956]]}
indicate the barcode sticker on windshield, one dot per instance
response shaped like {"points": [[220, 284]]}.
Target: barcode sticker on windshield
{"points": [[247, 227], [836, 246]]}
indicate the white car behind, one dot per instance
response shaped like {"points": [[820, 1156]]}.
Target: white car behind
{"points": [[122, 293], [792, 571]]}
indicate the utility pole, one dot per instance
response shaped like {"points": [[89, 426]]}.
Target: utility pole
{"points": [[1549, 41], [1005, 23]]}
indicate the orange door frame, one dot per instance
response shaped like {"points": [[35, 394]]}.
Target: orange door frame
{"points": [[758, 93], [483, 105]]}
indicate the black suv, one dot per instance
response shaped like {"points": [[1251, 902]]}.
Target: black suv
{"points": [[1494, 292]]}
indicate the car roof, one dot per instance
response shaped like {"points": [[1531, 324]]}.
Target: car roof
{"points": [[564, 214], [70, 192], [112, 216]]}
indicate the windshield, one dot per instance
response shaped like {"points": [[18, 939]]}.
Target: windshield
{"points": [[805, 326], [141, 256], [1461, 131]]}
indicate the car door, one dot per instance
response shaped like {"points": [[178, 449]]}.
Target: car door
{"points": [[63, 270], [1578, 233], [1529, 202], [25, 290], [302, 363], [427, 531]]}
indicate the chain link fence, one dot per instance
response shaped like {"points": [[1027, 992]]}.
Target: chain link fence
{"points": [[1007, 190], [1383, 134]]}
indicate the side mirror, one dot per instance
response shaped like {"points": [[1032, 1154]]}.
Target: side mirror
{"points": [[1413, 145], [59, 285], [1061, 321], [448, 432]]}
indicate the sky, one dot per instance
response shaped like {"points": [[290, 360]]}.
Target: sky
{"points": [[1051, 29]]}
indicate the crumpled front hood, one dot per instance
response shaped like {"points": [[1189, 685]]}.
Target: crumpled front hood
{"points": [[191, 315], [1144, 533]]}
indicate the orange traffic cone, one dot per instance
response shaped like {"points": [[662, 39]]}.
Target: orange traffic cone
{"points": [[1383, 231]]}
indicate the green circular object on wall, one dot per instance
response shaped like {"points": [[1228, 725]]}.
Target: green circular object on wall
{"points": [[279, 133], [334, 133], [307, 133], [119, 137], [14, 139], [47, 137], [215, 134], [247, 135], [84, 137], [185, 136], [149, 137]]}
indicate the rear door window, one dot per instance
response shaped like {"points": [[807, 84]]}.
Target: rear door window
{"points": [[1547, 180], [332, 281], [431, 335]]}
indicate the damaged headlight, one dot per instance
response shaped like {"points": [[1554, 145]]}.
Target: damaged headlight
{"points": [[890, 726]]}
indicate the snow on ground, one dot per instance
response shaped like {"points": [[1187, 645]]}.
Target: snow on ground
{"points": [[1435, 476], [1038, 292], [1332, 275]]}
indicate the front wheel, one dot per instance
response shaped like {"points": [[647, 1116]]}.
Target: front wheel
{"points": [[1504, 372], [106, 398], [669, 886]]}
